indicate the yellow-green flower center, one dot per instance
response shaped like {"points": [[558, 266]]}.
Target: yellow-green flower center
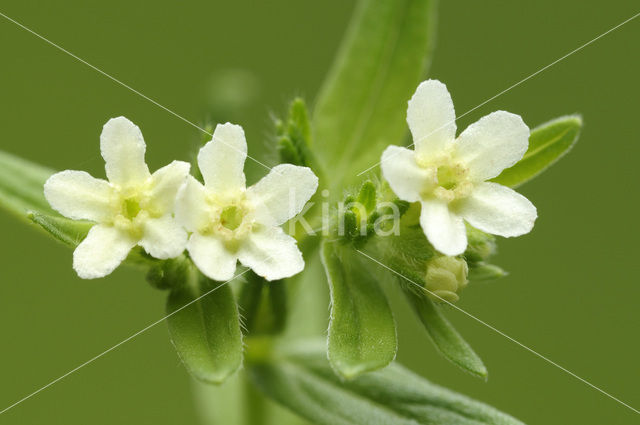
{"points": [[231, 217], [131, 208], [448, 180], [448, 176]]}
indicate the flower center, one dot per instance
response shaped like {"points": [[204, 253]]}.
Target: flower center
{"points": [[131, 208], [448, 176], [131, 212], [448, 180], [231, 217]]}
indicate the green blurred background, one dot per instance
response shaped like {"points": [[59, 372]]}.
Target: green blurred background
{"points": [[573, 290]]}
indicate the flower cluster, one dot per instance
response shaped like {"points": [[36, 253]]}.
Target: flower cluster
{"points": [[222, 221], [169, 211]]}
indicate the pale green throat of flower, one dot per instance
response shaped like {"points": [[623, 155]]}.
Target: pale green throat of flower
{"points": [[229, 219], [447, 180], [131, 208], [131, 214]]}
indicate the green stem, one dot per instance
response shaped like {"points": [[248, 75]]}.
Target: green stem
{"points": [[255, 403]]}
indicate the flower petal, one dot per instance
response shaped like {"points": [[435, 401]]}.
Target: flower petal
{"points": [[221, 161], [191, 205], [404, 175], [282, 194], [431, 118], [498, 210], [163, 237], [211, 256], [493, 143], [444, 229], [104, 248], [78, 195], [122, 147], [271, 253], [164, 186]]}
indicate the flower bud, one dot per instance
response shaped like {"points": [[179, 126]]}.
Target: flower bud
{"points": [[446, 277]]}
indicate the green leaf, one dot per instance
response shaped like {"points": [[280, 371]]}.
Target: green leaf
{"points": [[444, 336], [547, 144], [362, 105], [205, 328], [303, 381], [21, 185], [69, 232], [362, 332], [482, 271]]}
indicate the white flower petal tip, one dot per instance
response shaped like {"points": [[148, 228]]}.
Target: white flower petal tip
{"points": [[189, 209], [78, 195], [123, 149], [132, 208], [449, 176], [104, 248], [405, 176], [444, 229], [431, 117], [163, 237], [165, 184], [492, 144], [221, 161], [499, 210], [230, 223], [272, 254], [211, 257], [282, 194]]}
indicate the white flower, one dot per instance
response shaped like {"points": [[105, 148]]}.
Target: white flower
{"points": [[448, 176], [231, 222], [133, 208]]}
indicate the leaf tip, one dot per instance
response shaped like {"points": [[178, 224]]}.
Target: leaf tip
{"points": [[482, 373]]}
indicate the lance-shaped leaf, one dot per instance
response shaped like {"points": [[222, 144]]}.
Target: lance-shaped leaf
{"points": [[305, 383], [362, 105], [205, 328], [362, 332], [69, 232], [21, 185], [547, 144], [444, 335]]}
